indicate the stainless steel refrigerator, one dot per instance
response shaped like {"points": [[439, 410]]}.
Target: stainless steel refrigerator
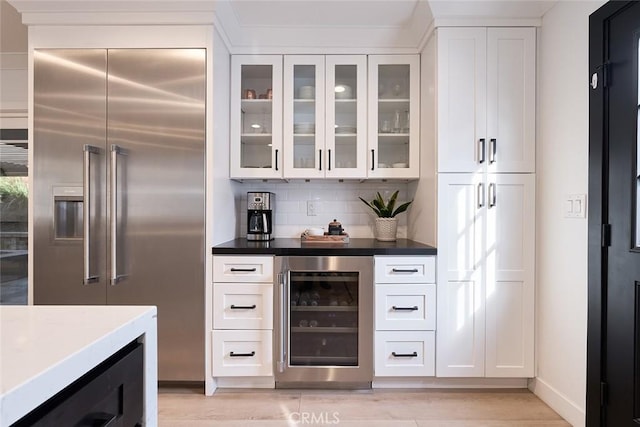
{"points": [[118, 173]]}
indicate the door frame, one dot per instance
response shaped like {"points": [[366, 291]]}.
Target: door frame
{"points": [[598, 209]]}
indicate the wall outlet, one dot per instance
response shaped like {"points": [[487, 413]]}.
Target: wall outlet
{"points": [[312, 207]]}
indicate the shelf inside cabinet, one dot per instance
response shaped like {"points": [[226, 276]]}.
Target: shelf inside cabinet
{"points": [[393, 138], [256, 138], [256, 106], [323, 330], [391, 105], [323, 308]]}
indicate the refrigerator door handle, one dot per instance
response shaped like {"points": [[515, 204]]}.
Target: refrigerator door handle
{"points": [[115, 151], [86, 207]]}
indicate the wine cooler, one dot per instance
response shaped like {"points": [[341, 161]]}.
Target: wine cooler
{"points": [[324, 322]]}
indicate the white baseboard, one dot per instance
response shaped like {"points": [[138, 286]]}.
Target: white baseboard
{"points": [[567, 409], [245, 382], [432, 382]]}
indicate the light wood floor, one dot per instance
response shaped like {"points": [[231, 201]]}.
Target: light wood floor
{"points": [[370, 408]]}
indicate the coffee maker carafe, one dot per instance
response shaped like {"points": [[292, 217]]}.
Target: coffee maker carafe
{"points": [[260, 216]]}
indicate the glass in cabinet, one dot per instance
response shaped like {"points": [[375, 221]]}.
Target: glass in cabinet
{"points": [[394, 96], [256, 121], [325, 116]]}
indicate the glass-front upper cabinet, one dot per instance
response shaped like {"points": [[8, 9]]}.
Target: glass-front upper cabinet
{"points": [[256, 118], [394, 116], [325, 116]]}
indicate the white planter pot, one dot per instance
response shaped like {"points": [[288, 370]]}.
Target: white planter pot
{"points": [[386, 229]]}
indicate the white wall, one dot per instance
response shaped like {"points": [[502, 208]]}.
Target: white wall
{"points": [[562, 168], [423, 214], [333, 199], [223, 207]]}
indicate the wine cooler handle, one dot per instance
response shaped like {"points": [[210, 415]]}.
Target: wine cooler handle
{"points": [[284, 308], [86, 207]]}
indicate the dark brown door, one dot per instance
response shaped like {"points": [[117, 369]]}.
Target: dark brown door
{"points": [[616, 80]]}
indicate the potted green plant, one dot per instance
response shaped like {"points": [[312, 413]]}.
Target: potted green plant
{"points": [[386, 223]]}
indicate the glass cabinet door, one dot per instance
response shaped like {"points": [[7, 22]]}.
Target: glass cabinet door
{"points": [[346, 116], [304, 116], [256, 130], [394, 93], [323, 319]]}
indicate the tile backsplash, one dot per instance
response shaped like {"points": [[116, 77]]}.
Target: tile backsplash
{"points": [[331, 199]]}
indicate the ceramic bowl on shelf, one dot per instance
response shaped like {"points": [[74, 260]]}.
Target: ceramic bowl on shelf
{"points": [[399, 165]]}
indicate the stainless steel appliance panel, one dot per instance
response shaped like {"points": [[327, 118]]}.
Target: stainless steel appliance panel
{"points": [[125, 131], [156, 134], [69, 112], [336, 367]]}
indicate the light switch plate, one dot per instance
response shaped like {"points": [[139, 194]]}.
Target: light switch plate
{"points": [[575, 206]]}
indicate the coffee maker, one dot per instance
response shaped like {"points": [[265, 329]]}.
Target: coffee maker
{"points": [[260, 215]]}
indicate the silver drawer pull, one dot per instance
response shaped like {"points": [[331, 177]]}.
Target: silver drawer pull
{"points": [[401, 270], [414, 308], [246, 270], [243, 307], [414, 354], [232, 354]]}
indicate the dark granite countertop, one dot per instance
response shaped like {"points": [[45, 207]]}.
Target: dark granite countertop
{"points": [[355, 247]]}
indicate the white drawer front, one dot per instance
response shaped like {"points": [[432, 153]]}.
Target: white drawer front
{"points": [[405, 353], [242, 306], [405, 307], [401, 269], [243, 269], [242, 353]]}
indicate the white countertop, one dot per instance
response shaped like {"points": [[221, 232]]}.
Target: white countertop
{"points": [[45, 348]]}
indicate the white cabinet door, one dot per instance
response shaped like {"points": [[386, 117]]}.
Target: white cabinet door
{"points": [[243, 306], [256, 116], [404, 269], [404, 353], [394, 116], [510, 293], [346, 116], [401, 307], [242, 353], [460, 270], [303, 116], [486, 99], [462, 91], [511, 83]]}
